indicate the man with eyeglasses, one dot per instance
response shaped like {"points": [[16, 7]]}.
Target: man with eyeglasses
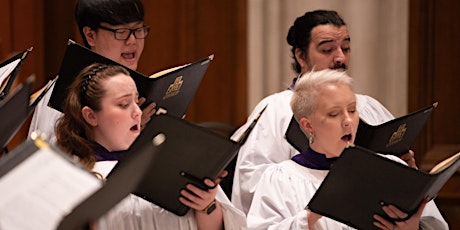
{"points": [[116, 30], [112, 28], [118, 38], [125, 33]]}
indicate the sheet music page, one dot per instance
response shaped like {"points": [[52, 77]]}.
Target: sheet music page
{"points": [[165, 71], [39, 94], [6, 70], [38, 192]]}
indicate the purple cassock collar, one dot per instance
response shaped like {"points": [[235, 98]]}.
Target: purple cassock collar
{"points": [[314, 160], [102, 154]]}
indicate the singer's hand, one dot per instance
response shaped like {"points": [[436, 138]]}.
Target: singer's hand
{"points": [[147, 112]]}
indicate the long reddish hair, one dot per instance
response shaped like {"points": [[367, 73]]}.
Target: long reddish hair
{"points": [[74, 135]]}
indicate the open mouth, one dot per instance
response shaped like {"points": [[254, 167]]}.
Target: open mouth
{"points": [[346, 137], [134, 128], [128, 55]]}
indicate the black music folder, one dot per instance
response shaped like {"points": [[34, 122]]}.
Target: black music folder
{"points": [[55, 192], [295, 136], [360, 180], [189, 154], [9, 69], [16, 107], [122, 181], [392, 137], [14, 110], [396, 136], [171, 89]]}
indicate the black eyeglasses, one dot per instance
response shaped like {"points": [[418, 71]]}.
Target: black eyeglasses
{"points": [[124, 33]]}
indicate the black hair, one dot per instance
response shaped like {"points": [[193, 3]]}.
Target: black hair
{"points": [[299, 35], [115, 12]]}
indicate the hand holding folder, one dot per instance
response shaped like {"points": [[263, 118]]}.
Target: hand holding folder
{"points": [[189, 155], [360, 180]]}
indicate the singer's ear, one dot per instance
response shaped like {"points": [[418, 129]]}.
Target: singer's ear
{"points": [[89, 116], [305, 125], [301, 58]]}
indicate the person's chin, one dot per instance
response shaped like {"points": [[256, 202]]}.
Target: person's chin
{"points": [[341, 148], [123, 147], [130, 63], [131, 141]]}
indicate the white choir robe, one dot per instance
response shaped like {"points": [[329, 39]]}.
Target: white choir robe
{"points": [[44, 118], [267, 144], [286, 188], [135, 213]]}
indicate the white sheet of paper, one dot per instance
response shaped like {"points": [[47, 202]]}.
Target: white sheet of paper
{"points": [[6, 70], [38, 192]]}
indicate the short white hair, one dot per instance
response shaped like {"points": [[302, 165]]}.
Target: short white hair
{"points": [[304, 99]]}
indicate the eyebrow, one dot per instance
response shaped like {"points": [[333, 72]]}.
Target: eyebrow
{"points": [[353, 103], [128, 95], [330, 40]]}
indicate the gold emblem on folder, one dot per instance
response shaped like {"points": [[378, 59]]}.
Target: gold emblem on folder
{"points": [[398, 135], [174, 88]]}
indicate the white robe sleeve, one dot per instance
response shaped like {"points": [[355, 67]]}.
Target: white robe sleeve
{"points": [[371, 110], [135, 213], [234, 219], [280, 199], [265, 145], [276, 203], [44, 118]]}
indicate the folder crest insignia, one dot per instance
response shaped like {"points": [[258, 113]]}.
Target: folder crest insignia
{"points": [[174, 88], [398, 135]]}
